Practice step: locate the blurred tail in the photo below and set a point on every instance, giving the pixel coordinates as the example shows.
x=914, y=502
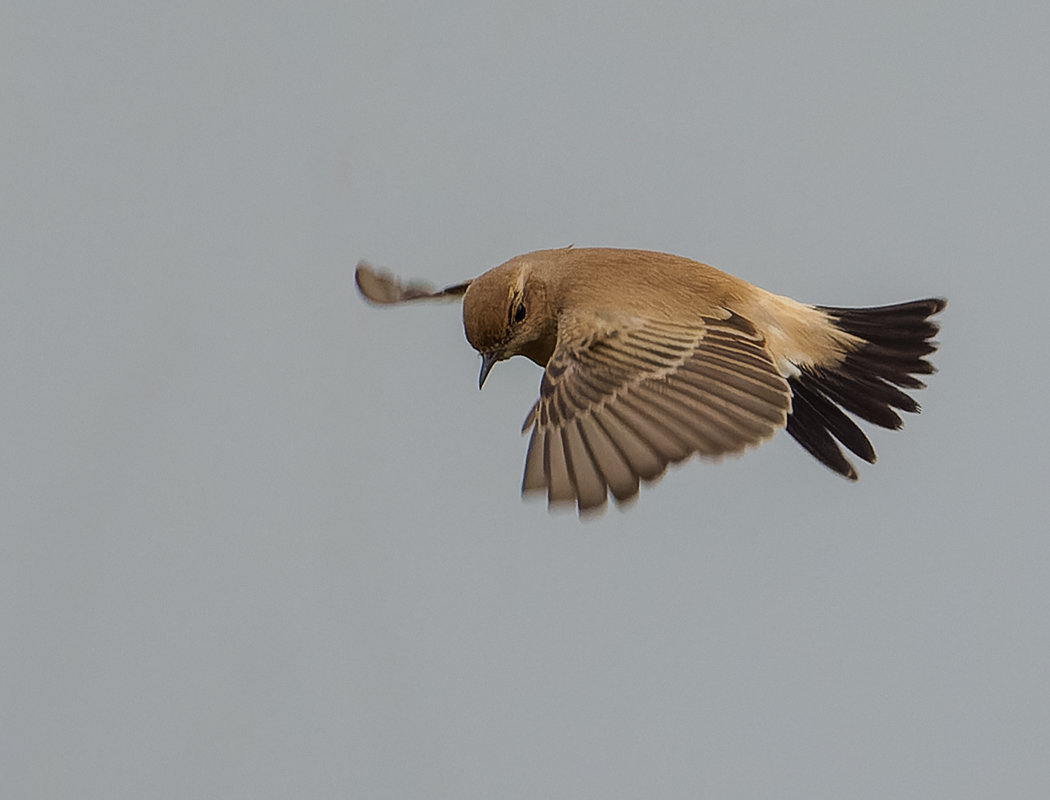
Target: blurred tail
x=896, y=342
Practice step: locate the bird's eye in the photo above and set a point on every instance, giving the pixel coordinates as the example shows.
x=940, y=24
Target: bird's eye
x=519, y=314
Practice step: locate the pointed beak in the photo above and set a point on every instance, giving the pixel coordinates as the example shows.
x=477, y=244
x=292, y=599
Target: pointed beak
x=488, y=360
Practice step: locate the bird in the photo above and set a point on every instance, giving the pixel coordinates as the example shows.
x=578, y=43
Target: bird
x=651, y=358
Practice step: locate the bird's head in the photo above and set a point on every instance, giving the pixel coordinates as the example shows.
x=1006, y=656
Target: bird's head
x=506, y=313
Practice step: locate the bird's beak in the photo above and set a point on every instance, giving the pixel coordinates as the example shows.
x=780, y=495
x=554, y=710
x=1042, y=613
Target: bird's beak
x=488, y=360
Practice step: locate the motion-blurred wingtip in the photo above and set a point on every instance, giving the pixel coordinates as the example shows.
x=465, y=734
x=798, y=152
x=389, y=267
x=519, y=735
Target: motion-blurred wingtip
x=378, y=286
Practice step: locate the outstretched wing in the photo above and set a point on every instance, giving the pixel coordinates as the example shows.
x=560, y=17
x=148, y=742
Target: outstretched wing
x=383, y=288
x=620, y=407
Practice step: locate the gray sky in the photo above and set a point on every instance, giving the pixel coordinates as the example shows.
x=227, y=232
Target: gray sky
x=262, y=540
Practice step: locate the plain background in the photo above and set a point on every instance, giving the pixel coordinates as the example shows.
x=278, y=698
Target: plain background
x=262, y=540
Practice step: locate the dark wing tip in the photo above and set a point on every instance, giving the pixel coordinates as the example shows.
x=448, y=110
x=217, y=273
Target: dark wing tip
x=379, y=287
x=384, y=288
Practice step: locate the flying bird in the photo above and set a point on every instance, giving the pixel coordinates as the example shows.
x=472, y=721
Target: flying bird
x=651, y=358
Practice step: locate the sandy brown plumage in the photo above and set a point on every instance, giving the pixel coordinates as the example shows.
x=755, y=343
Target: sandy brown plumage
x=652, y=358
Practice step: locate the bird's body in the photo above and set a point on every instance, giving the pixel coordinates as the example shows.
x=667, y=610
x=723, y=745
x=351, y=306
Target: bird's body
x=650, y=358
x=597, y=286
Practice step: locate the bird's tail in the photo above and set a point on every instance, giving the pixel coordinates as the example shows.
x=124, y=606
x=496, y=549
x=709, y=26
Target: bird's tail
x=896, y=341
